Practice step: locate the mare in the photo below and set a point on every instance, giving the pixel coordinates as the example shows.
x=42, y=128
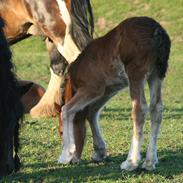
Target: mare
x=135, y=51
x=11, y=109
x=67, y=27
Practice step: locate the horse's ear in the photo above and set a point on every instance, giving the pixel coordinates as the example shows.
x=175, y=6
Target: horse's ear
x=23, y=89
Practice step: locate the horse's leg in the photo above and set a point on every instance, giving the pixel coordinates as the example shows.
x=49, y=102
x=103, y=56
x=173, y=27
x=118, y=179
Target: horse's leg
x=10, y=161
x=156, y=107
x=139, y=109
x=3, y=152
x=46, y=106
x=81, y=99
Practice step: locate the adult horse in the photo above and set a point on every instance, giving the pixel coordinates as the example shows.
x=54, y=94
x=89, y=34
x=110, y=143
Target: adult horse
x=11, y=109
x=67, y=26
x=134, y=52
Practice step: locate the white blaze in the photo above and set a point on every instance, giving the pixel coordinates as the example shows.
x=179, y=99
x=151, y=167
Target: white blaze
x=67, y=48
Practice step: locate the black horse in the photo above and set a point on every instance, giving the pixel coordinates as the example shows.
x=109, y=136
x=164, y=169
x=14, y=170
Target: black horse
x=11, y=109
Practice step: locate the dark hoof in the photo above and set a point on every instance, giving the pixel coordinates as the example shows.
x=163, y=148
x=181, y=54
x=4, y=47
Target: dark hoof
x=17, y=163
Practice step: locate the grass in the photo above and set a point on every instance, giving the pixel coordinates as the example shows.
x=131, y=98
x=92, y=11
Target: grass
x=40, y=140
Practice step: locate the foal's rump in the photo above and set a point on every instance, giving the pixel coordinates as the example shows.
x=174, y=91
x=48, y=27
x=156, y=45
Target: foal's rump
x=145, y=41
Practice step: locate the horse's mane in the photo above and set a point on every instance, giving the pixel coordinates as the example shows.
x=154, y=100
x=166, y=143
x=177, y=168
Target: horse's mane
x=82, y=22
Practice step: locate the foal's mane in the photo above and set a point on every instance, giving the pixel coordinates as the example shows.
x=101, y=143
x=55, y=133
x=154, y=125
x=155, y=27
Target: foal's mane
x=82, y=22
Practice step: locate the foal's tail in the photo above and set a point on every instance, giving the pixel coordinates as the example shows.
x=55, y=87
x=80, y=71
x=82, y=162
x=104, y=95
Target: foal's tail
x=162, y=46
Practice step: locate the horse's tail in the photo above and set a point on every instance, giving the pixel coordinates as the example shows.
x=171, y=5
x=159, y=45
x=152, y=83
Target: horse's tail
x=162, y=46
x=82, y=22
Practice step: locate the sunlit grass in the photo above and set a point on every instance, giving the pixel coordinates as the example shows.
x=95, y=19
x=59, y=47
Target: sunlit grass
x=40, y=140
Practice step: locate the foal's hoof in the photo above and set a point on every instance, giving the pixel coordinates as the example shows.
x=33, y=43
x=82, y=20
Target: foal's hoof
x=65, y=159
x=149, y=165
x=128, y=165
x=99, y=156
x=68, y=154
x=75, y=160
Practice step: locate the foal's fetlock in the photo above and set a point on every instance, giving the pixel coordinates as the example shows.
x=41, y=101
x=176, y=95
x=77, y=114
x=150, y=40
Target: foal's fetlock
x=99, y=155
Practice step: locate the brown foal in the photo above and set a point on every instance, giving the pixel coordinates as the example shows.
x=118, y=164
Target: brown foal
x=134, y=52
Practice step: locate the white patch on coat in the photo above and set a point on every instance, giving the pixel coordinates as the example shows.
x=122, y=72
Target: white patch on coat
x=67, y=47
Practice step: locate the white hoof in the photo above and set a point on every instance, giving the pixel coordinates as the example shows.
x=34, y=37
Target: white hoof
x=67, y=155
x=149, y=165
x=128, y=165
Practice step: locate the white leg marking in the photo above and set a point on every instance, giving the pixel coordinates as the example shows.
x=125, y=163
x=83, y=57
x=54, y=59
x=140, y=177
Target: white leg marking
x=69, y=147
x=156, y=109
x=133, y=156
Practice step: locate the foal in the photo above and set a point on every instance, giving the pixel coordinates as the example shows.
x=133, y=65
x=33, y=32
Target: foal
x=11, y=109
x=134, y=52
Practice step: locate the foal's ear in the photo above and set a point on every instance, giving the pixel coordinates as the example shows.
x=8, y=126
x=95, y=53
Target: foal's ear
x=23, y=89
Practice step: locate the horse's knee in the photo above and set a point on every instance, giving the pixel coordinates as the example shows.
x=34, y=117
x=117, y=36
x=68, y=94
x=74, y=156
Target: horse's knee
x=58, y=62
x=58, y=67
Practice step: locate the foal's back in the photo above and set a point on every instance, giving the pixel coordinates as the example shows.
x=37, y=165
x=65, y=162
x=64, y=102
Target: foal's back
x=135, y=42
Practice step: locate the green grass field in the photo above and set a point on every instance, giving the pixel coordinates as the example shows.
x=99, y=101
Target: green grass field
x=39, y=138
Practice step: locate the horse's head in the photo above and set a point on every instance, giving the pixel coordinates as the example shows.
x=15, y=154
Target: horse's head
x=66, y=23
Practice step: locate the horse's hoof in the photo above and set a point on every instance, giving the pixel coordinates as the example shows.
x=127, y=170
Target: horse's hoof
x=17, y=163
x=128, y=165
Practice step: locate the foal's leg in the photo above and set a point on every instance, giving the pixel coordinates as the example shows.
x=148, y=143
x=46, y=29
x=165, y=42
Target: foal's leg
x=139, y=109
x=93, y=118
x=155, y=85
x=81, y=99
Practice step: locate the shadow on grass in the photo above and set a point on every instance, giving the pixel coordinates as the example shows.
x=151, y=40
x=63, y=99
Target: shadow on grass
x=125, y=113
x=171, y=164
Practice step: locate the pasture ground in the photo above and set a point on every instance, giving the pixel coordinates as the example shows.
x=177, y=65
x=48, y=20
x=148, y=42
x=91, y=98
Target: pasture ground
x=39, y=138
